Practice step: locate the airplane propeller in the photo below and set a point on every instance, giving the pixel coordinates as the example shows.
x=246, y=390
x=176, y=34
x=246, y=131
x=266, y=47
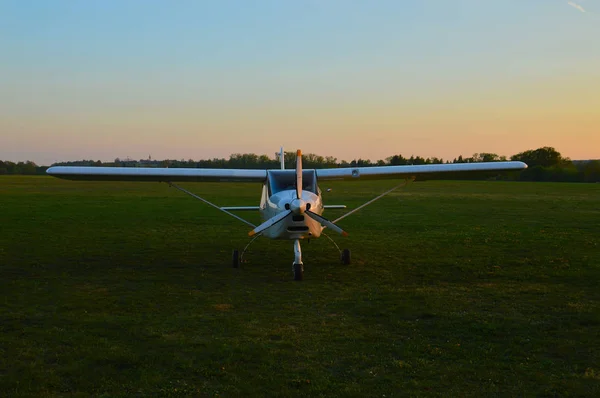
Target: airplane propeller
x=326, y=223
x=270, y=222
x=299, y=174
x=298, y=206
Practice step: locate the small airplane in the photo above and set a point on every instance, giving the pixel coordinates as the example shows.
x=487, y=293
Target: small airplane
x=291, y=204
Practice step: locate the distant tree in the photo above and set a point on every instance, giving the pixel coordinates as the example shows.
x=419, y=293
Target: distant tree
x=397, y=160
x=27, y=167
x=545, y=157
x=591, y=171
x=486, y=157
x=310, y=160
x=264, y=161
x=289, y=159
x=330, y=162
x=416, y=160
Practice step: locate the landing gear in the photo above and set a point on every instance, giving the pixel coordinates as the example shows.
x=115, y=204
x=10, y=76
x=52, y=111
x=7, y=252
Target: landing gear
x=235, y=259
x=298, y=267
x=258, y=235
x=345, y=256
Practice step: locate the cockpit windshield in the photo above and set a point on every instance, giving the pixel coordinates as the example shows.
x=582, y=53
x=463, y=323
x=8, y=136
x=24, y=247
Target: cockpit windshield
x=281, y=180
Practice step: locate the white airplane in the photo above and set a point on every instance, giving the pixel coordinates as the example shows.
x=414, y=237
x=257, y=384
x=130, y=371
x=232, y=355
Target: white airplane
x=291, y=204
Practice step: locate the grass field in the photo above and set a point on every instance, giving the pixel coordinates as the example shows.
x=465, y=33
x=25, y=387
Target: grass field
x=456, y=288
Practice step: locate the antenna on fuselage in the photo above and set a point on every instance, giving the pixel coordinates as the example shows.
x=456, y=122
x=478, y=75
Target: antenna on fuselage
x=282, y=158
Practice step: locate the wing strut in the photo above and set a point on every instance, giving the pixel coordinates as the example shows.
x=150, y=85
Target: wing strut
x=210, y=204
x=405, y=183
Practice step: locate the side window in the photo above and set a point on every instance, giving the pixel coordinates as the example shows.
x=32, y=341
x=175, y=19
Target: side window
x=280, y=181
x=308, y=181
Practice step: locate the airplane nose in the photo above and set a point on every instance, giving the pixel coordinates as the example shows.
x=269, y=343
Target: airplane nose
x=298, y=206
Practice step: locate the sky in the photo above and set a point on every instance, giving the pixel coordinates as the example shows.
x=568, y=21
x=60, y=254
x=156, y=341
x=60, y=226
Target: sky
x=351, y=79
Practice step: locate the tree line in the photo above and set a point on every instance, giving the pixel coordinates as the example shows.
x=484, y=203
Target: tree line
x=545, y=164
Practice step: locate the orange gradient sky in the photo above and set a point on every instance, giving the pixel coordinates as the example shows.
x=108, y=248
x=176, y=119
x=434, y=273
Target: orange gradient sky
x=346, y=79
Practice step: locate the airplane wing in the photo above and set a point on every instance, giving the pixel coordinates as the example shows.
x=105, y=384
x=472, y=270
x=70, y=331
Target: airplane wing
x=254, y=175
x=156, y=174
x=380, y=172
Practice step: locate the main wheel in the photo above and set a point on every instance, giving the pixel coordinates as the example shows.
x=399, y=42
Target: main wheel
x=345, y=256
x=235, y=259
x=298, y=272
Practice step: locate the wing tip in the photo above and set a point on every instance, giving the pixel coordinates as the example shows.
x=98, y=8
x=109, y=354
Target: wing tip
x=251, y=233
x=298, y=152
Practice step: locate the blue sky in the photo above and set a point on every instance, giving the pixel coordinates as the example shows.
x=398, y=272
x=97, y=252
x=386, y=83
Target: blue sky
x=199, y=79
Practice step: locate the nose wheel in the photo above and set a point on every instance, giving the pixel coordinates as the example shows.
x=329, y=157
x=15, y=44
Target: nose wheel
x=298, y=267
x=298, y=272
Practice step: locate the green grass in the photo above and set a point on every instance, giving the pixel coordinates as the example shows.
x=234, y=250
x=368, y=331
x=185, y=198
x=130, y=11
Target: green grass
x=456, y=288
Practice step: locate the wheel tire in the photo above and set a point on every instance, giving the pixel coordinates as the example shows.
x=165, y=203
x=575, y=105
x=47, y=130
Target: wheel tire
x=298, y=272
x=235, y=259
x=345, y=256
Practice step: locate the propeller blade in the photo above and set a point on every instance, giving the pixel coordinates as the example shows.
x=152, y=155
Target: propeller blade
x=325, y=222
x=270, y=222
x=299, y=174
